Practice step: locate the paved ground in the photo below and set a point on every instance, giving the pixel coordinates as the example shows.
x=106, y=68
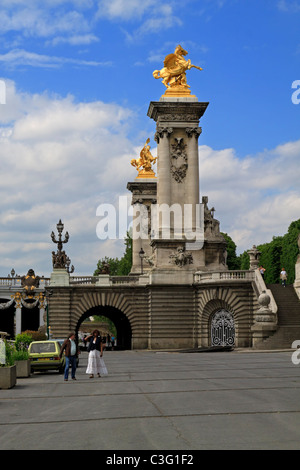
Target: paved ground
x=159, y=401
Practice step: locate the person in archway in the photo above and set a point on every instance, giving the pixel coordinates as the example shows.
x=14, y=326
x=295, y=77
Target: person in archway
x=96, y=363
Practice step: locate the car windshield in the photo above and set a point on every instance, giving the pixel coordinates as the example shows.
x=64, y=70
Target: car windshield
x=39, y=348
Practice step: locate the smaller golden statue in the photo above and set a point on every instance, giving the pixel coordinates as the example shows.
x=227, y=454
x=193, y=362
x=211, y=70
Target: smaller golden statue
x=174, y=73
x=145, y=162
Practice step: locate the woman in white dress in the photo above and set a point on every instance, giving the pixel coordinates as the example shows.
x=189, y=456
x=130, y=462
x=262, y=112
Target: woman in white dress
x=96, y=363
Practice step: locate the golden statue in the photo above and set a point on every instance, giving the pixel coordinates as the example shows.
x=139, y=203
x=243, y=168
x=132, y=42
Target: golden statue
x=145, y=162
x=174, y=73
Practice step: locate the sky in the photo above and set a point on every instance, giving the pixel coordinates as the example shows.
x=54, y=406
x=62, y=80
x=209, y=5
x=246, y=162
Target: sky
x=75, y=86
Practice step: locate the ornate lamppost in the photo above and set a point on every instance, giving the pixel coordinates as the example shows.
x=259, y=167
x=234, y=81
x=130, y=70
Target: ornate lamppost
x=60, y=260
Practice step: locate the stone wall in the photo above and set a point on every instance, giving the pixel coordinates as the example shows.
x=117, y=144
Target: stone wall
x=159, y=317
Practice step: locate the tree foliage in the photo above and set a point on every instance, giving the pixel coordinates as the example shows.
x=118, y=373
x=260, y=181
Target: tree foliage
x=280, y=253
x=118, y=267
x=233, y=261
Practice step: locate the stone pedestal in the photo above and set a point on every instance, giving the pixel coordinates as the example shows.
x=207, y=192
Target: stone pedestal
x=254, y=255
x=103, y=280
x=265, y=321
x=59, y=277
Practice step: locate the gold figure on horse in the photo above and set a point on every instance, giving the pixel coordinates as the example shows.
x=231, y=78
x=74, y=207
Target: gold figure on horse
x=173, y=73
x=145, y=162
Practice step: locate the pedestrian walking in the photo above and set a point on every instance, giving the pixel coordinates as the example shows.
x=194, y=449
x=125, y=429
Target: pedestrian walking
x=70, y=348
x=262, y=271
x=96, y=364
x=283, y=277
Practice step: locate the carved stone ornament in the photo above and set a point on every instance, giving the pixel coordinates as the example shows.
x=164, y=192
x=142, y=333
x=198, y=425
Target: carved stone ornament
x=181, y=257
x=161, y=131
x=179, y=159
x=193, y=131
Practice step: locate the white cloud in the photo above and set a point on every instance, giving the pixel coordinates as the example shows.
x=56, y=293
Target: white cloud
x=58, y=159
x=17, y=57
x=153, y=15
x=126, y=9
x=83, y=39
x=256, y=197
x=42, y=22
x=289, y=6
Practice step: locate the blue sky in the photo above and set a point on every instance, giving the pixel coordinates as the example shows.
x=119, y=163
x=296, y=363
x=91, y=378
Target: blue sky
x=78, y=78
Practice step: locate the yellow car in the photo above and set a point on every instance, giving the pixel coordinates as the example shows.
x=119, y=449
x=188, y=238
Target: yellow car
x=44, y=355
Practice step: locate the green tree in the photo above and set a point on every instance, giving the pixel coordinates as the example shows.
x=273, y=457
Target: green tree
x=280, y=253
x=244, y=261
x=290, y=250
x=103, y=319
x=270, y=259
x=118, y=267
x=126, y=261
x=233, y=261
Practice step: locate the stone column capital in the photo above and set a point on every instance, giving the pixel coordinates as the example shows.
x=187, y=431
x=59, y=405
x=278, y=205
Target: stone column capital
x=161, y=131
x=193, y=131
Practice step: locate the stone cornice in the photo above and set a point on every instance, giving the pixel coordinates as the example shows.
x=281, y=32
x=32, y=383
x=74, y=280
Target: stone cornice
x=170, y=111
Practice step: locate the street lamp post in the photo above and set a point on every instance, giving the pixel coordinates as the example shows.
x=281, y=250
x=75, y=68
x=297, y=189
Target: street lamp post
x=141, y=254
x=48, y=293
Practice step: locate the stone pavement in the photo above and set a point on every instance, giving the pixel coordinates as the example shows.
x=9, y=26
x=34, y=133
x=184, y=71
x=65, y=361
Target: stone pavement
x=159, y=401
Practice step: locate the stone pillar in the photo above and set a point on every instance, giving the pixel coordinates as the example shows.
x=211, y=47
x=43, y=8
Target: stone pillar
x=177, y=132
x=18, y=320
x=265, y=321
x=193, y=195
x=143, y=197
x=42, y=316
x=162, y=137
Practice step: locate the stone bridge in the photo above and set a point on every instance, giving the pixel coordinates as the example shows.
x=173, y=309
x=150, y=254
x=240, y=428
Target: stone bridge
x=157, y=316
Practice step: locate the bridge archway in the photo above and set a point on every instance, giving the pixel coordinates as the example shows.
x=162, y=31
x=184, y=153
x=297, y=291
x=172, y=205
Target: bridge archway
x=121, y=322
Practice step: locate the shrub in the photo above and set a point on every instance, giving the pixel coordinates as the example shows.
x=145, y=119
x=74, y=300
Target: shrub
x=9, y=359
x=20, y=355
x=23, y=341
x=35, y=335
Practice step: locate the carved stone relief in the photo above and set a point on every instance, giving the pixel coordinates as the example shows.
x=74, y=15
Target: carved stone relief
x=179, y=159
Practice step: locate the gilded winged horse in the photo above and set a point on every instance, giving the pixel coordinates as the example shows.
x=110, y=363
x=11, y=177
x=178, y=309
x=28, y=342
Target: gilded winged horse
x=173, y=73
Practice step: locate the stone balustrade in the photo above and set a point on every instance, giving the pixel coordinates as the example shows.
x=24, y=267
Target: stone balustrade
x=215, y=276
x=6, y=282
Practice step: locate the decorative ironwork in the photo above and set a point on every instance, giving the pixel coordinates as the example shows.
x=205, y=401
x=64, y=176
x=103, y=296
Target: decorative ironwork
x=222, y=328
x=60, y=260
